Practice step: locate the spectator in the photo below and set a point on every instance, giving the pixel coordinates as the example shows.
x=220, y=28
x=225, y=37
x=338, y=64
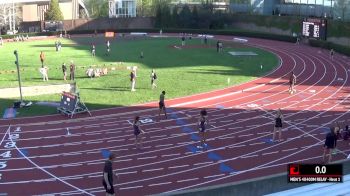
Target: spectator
x=42, y=58
x=72, y=71
x=64, y=70
x=90, y=72
x=153, y=79
x=44, y=73
x=133, y=80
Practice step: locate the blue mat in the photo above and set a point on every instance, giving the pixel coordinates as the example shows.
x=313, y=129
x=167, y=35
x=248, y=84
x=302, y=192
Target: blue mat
x=9, y=113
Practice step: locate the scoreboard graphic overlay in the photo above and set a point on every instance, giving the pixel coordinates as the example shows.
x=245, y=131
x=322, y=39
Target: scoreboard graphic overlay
x=315, y=173
x=315, y=28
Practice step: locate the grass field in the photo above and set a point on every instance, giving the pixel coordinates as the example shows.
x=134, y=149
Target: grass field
x=180, y=71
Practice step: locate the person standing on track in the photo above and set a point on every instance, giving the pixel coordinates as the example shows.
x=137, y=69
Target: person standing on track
x=202, y=123
x=292, y=81
x=153, y=79
x=331, y=54
x=107, y=180
x=278, y=126
x=138, y=132
x=329, y=145
x=162, y=104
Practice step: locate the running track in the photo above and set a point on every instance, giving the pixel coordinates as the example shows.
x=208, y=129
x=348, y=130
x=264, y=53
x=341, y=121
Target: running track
x=37, y=156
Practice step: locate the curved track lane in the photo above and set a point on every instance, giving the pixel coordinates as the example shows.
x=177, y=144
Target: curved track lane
x=37, y=156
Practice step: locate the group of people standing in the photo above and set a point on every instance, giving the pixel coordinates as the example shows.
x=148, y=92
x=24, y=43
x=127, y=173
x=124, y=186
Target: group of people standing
x=133, y=79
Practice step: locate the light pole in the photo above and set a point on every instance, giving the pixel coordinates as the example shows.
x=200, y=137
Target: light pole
x=19, y=76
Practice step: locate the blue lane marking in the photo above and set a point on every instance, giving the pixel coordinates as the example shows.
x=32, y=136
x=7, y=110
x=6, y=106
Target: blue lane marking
x=195, y=137
x=193, y=149
x=326, y=129
x=220, y=107
x=105, y=153
x=187, y=130
x=173, y=116
x=225, y=168
x=24, y=152
x=267, y=140
x=169, y=110
x=213, y=156
x=180, y=122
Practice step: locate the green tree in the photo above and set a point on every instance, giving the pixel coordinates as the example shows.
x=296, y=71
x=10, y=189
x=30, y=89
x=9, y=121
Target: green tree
x=54, y=13
x=175, y=16
x=185, y=17
x=97, y=8
x=195, y=17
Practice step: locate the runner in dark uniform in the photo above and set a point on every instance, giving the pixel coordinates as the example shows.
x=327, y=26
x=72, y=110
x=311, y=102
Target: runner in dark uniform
x=162, y=104
x=107, y=180
x=329, y=145
x=138, y=132
x=292, y=81
x=278, y=126
x=202, y=122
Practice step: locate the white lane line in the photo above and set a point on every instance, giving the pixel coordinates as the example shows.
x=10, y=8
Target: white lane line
x=95, y=176
x=131, y=187
x=94, y=142
x=151, y=170
x=225, y=121
x=163, y=145
x=158, y=136
x=71, y=165
x=235, y=127
x=179, y=166
x=186, y=180
x=249, y=156
x=245, y=135
x=71, y=153
x=124, y=173
x=238, y=146
x=171, y=155
x=50, y=155
x=72, y=144
x=94, y=163
x=257, y=143
x=159, y=184
x=184, y=143
x=267, y=153
x=263, y=133
x=213, y=176
x=52, y=175
x=227, y=137
x=291, y=149
x=143, y=158
x=118, y=140
x=124, y=160
x=203, y=163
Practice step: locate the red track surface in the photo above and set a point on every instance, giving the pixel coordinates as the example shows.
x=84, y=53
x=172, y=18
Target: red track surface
x=240, y=124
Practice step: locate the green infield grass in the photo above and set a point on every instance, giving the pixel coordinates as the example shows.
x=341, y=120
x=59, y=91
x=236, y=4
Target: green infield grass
x=181, y=71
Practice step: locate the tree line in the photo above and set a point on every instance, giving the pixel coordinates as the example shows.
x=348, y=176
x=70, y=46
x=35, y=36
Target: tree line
x=201, y=16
